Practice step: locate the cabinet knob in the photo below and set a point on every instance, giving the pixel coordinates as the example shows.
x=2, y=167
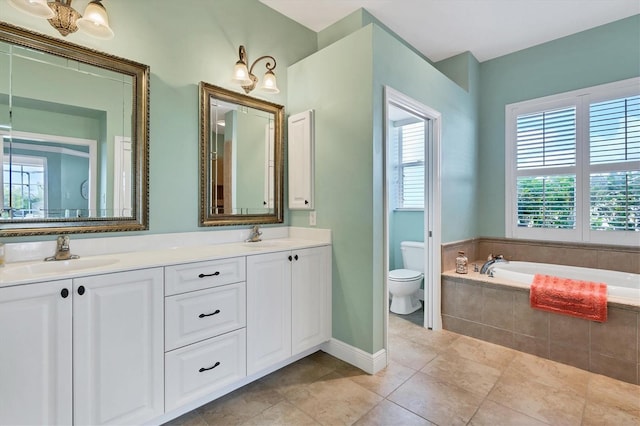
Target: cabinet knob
x=290, y=258
x=306, y=201
x=81, y=290
x=210, y=368
x=264, y=203
x=295, y=257
x=64, y=293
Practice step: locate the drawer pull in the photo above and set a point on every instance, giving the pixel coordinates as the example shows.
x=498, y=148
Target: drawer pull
x=210, y=368
x=216, y=273
x=217, y=311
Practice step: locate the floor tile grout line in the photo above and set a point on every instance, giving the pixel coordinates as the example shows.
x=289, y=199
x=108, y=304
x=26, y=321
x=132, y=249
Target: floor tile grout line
x=513, y=360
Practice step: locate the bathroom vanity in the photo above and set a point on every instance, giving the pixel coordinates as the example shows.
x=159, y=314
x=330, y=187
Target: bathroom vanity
x=143, y=337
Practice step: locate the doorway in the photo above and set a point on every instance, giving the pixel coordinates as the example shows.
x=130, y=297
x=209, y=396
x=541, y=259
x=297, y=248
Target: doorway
x=412, y=195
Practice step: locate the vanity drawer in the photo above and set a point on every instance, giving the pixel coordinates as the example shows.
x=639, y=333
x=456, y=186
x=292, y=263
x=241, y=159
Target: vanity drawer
x=202, y=368
x=201, y=314
x=197, y=276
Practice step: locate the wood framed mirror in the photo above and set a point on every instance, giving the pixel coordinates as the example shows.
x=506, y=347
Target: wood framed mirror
x=241, y=158
x=74, y=131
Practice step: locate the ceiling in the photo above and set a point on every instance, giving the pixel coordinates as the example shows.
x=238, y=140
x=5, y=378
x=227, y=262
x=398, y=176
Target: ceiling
x=440, y=29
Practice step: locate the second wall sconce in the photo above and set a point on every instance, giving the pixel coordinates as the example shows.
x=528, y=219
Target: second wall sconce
x=66, y=19
x=244, y=76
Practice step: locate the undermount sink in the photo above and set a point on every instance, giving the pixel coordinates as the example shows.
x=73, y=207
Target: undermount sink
x=60, y=266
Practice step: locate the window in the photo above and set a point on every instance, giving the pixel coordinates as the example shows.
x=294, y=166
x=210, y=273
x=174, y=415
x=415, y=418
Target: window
x=573, y=166
x=408, y=138
x=23, y=187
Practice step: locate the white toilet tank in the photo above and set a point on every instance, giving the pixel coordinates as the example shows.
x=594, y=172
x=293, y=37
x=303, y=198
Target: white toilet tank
x=412, y=255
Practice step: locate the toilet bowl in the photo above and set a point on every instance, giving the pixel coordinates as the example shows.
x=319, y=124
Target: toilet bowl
x=403, y=284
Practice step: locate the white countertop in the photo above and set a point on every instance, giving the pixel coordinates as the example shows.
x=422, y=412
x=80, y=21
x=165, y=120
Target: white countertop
x=27, y=272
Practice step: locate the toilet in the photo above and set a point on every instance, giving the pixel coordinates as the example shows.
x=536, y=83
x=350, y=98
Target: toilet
x=404, y=283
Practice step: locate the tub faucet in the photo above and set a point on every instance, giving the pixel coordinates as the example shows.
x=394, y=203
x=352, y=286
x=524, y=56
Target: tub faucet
x=63, y=252
x=486, y=267
x=254, y=235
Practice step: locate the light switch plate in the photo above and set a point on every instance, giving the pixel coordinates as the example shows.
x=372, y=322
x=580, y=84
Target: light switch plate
x=312, y=218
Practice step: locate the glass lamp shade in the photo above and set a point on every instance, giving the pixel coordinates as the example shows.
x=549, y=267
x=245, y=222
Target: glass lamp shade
x=95, y=21
x=37, y=8
x=269, y=83
x=241, y=74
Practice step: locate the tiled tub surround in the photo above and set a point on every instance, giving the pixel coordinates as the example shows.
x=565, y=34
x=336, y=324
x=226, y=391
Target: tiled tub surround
x=498, y=311
x=615, y=258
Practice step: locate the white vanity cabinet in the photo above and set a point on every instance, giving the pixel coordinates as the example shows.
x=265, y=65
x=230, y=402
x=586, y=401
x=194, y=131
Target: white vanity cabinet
x=35, y=354
x=144, y=345
x=268, y=310
x=310, y=298
x=88, y=349
x=288, y=304
x=205, y=318
x=117, y=348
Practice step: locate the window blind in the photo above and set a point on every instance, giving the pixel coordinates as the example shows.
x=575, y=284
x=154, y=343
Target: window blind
x=411, y=194
x=546, y=139
x=614, y=130
x=615, y=201
x=573, y=166
x=546, y=202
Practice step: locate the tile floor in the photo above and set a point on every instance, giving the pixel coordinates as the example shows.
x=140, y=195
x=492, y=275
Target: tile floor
x=433, y=378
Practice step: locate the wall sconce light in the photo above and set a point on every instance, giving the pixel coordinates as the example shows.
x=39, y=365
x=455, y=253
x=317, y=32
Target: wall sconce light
x=244, y=76
x=66, y=19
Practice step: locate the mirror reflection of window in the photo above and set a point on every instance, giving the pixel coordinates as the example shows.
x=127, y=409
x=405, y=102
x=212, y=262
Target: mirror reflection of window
x=24, y=187
x=66, y=183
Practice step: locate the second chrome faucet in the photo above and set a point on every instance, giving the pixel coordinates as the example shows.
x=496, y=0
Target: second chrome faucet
x=254, y=234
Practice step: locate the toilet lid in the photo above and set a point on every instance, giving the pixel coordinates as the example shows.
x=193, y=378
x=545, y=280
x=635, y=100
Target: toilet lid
x=404, y=274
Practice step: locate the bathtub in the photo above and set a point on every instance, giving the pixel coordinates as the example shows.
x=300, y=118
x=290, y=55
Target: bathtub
x=621, y=286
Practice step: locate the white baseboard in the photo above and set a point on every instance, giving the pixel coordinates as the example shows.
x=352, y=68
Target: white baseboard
x=370, y=363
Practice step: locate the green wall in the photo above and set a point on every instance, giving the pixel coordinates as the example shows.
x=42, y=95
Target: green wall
x=349, y=146
x=342, y=99
x=184, y=43
x=597, y=56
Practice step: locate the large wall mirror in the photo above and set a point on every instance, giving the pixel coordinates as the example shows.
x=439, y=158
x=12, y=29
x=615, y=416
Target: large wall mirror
x=241, y=151
x=73, y=137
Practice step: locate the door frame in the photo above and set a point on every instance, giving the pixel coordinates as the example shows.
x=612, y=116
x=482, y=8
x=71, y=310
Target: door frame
x=432, y=210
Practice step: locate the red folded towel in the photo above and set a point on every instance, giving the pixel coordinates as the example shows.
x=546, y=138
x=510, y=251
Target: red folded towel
x=582, y=299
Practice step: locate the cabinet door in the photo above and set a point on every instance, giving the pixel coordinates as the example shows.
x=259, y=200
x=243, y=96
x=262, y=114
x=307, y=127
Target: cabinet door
x=118, y=348
x=301, y=163
x=311, y=297
x=268, y=310
x=35, y=354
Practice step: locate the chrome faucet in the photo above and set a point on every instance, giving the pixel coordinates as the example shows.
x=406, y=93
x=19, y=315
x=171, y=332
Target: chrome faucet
x=254, y=235
x=63, y=252
x=487, y=266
